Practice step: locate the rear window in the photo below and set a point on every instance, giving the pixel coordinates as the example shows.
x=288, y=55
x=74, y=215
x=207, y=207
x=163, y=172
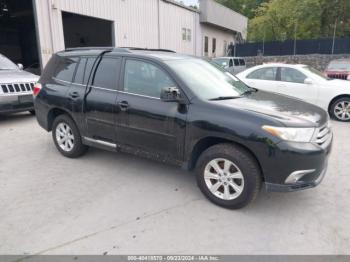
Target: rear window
x=65, y=68
x=242, y=62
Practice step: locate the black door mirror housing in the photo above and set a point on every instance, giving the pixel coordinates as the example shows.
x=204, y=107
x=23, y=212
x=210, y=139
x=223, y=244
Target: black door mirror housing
x=170, y=94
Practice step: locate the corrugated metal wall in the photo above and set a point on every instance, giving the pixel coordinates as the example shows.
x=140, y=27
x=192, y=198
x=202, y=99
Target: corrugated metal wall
x=141, y=23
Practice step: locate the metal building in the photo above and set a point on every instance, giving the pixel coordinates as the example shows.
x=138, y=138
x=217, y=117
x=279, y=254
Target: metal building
x=32, y=30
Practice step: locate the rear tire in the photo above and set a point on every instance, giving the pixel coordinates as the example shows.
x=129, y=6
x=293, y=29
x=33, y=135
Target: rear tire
x=340, y=109
x=228, y=176
x=66, y=137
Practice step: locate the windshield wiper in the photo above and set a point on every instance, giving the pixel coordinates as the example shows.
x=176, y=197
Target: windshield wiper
x=224, y=98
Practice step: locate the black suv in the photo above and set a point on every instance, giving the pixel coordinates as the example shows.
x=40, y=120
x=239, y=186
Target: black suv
x=185, y=111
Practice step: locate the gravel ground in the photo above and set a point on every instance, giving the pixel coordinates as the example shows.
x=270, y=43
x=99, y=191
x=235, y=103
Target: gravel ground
x=109, y=203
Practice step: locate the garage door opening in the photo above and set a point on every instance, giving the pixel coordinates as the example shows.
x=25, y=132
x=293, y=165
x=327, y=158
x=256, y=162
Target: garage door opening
x=18, y=39
x=81, y=31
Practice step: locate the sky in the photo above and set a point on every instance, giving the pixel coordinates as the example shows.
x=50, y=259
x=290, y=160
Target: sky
x=189, y=2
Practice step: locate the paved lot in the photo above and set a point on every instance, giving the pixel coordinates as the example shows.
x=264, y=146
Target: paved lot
x=118, y=204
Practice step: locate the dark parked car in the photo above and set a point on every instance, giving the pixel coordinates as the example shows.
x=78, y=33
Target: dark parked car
x=183, y=110
x=15, y=87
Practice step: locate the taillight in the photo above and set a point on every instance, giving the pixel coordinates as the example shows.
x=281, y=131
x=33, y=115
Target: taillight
x=36, y=89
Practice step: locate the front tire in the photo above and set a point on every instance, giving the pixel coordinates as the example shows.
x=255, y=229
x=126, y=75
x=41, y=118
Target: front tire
x=66, y=137
x=340, y=109
x=228, y=176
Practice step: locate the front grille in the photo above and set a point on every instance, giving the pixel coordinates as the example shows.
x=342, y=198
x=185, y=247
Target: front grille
x=338, y=76
x=323, y=135
x=17, y=88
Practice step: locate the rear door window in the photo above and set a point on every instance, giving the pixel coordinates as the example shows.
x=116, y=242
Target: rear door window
x=242, y=62
x=107, y=73
x=236, y=62
x=65, y=68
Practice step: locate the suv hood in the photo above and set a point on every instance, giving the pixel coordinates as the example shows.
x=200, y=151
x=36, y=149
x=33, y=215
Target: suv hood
x=287, y=110
x=16, y=76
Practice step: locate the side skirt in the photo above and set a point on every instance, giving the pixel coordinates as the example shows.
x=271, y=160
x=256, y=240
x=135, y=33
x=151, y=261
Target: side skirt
x=132, y=151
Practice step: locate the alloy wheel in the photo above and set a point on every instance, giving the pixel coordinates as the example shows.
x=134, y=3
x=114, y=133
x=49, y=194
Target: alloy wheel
x=224, y=179
x=64, y=137
x=342, y=110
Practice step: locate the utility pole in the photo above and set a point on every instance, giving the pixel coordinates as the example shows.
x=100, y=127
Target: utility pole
x=295, y=37
x=334, y=33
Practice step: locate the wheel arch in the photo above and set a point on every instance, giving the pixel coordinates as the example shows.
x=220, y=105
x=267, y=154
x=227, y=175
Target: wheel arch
x=335, y=99
x=53, y=113
x=207, y=142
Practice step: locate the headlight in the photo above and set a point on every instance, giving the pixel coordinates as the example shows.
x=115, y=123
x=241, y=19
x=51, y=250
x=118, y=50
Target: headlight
x=291, y=134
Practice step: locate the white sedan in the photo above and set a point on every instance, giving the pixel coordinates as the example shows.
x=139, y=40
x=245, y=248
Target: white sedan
x=303, y=82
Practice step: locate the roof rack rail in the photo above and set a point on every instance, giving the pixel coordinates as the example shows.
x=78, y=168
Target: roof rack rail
x=149, y=49
x=106, y=48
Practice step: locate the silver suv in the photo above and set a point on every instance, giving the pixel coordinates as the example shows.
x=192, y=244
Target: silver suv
x=232, y=64
x=16, y=87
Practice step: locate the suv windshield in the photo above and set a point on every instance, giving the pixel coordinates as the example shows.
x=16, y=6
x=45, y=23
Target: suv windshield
x=208, y=81
x=6, y=64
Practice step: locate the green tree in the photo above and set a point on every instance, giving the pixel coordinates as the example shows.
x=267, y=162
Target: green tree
x=282, y=19
x=335, y=12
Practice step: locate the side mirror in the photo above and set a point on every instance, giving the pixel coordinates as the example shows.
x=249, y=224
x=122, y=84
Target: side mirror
x=20, y=66
x=308, y=81
x=170, y=94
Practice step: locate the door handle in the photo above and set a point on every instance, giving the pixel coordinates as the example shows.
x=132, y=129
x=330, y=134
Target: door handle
x=74, y=94
x=124, y=105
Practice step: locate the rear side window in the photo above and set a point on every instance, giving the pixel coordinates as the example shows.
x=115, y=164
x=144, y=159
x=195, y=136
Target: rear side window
x=79, y=75
x=231, y=63
x=264, y=74
x=107, y=73
x=84, y=70
x=65, y=68
x=242, y=62
x=236, y=62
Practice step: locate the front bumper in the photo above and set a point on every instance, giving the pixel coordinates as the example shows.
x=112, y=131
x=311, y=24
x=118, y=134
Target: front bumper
x=300, y=185
x=16, y=103
x=305, y=163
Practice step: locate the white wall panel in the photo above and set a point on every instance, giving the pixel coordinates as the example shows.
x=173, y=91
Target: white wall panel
x=137, y=23
x=172, y=20
x=220, y=36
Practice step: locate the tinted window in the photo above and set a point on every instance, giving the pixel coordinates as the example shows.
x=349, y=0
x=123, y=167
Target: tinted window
x=145, y=79
x=236, y=62
x=231, y=63
x=88, y=68
x=292, y=75
x=79, y=75
x=65, y=68
x=264, y=74
x=107, y=73
x=242, y=62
